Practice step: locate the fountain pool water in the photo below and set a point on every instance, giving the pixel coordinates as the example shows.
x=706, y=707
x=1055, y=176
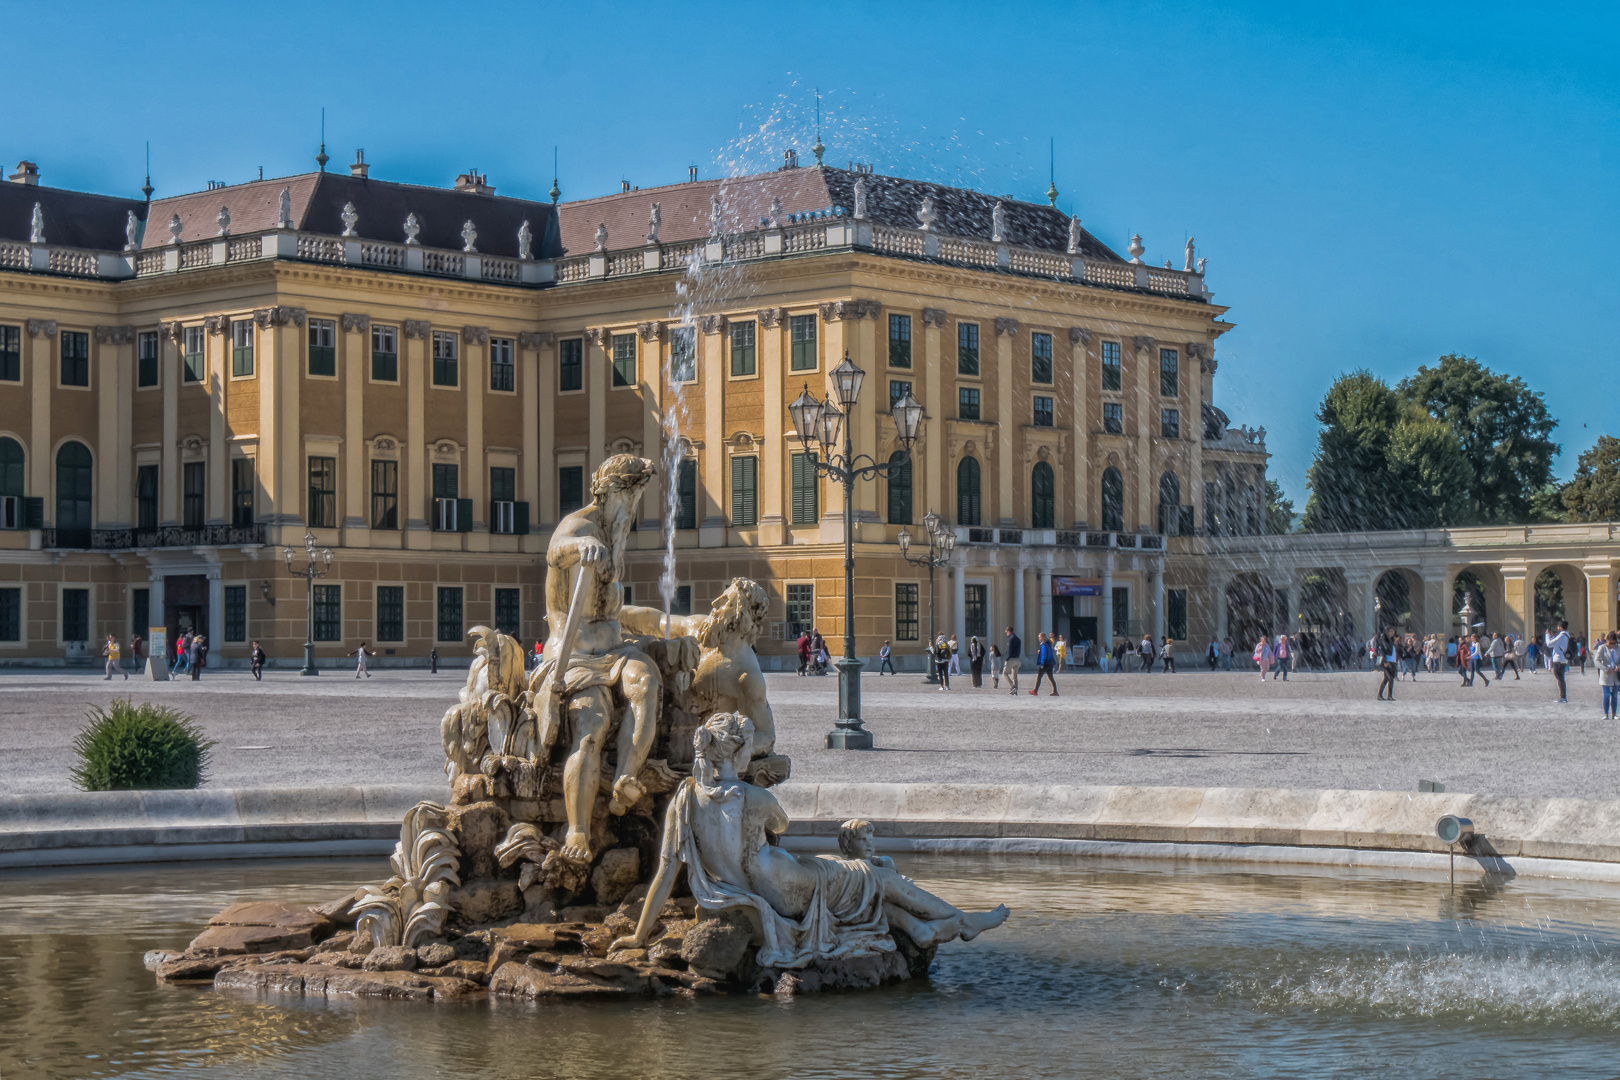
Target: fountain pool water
x=1105, y=969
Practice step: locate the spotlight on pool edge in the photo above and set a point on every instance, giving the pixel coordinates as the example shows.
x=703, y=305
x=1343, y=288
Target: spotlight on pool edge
x=1454, y=830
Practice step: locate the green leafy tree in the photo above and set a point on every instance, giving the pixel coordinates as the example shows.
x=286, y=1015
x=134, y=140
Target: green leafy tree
x=1594, y=493
x=1502, y=426
x=1279, y=510
x=1428, y=477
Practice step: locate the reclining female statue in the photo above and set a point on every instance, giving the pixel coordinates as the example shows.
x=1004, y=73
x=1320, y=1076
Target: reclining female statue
x=809, y=907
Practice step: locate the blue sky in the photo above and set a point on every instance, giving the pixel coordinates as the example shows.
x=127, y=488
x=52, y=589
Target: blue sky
x=1374, y=185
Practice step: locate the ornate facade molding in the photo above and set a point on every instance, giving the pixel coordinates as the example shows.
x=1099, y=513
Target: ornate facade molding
x=115, y=335
x=650, y=331
x=1206, y=365
x=446, y=450
x=1142, y=343
x=770, y=318
x=215, y=324
x=933, y=316
x=42, y=328
x=1008, y=327
x=833, y=311
x=1079, y=335
x=193, y=444
x=417, y=329
x=385, y=444
x=597, y=335
x=355, y=323
x=536, y=339
x=279, y=316
x=866, y=309
x=623, y=445
x=475, y=335
x=174, y=330
x=711, y=324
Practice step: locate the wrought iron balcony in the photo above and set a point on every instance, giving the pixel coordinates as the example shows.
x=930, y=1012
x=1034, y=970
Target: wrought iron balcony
x=167, y=536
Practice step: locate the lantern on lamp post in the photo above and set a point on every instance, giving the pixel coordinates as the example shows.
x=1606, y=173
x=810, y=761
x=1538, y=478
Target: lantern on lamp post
x=941, y=541
x=318, y=564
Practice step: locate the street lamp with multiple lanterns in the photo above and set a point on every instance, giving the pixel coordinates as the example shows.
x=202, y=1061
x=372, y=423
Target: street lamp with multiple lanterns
x=822, y=423
x=320, y=562
x=941, y=541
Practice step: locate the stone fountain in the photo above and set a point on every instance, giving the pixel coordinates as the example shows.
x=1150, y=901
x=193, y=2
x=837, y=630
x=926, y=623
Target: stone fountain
x=610, y=829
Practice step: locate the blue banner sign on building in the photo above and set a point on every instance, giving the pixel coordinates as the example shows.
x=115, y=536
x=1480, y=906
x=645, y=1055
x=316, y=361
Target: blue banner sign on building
x=1076, y=586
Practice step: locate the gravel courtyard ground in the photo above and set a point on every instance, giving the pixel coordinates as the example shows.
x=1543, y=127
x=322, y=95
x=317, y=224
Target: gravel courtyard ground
x=1187, y=729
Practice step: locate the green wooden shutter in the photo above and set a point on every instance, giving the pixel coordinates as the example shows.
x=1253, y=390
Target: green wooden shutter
x=520, y=518
x=744, y=492
x=464, y=515
x=805, y=508
x=34, y=512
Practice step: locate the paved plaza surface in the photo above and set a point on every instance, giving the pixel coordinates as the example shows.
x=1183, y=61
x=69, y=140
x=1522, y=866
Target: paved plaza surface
x=1195, y=729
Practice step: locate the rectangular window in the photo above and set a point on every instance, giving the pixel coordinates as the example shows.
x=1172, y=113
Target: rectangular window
x=898, y=389
x=967, y=402
x=328, y=613
x=385, y=494
x=1043, y=411
x=390, y=613
x=1113, y=418
x=801, y=609
x=1040, y=358
x=1110, y=365
x=242, y=491
x=241, y=348
x=1175, y=606
x=11, y=355
x=509, y=611
x=146, y=358
x=686, y=494
x=502, y=375
x=571, y=365
x=806, y=502
x=976, y=609
x=194, y=476
x=744, y=492
x=1170, y=423
x=75, y=614
x=192, y=368
x=743, y=361
x=322, y=493
x=900, y=341
x=11, y=615
x=682, y=603
x=141, y=616
x=905, y=611
x=1122, y=610
x=1169, y=373
x=446, y=359
x=448, y=615
x=502, y=507
x=967, y=348
x=446, y=493
x=322, y=347
x=570, y=488
x=385, y=354
x=683, y=354
x=624, y=359
x=146, y=497
x=236, y=613
x=802, y=335
x=75, y=345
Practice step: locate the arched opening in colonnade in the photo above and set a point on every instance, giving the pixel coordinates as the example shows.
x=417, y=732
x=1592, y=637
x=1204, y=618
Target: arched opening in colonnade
x=1561, y=596
x=1398, y=601
x=1326, y=627
x=1252, y=609
x=1468, y=593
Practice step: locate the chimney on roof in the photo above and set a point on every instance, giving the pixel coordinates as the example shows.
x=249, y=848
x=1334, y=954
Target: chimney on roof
x=691, y=174
x=27, y=173
x=624, y=185
x=474, y=181
x=790, y=159
x=359, y=167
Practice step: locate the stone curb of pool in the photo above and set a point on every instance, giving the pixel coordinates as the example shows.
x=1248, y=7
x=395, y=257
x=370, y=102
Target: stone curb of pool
x=145, y=826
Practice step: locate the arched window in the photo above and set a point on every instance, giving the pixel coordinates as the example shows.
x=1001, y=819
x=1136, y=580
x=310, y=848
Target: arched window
x=1169, y=502
x=73, y=490
x=1043, y=497
x=899, y=488
x=686, y=494
x=967, y=492
x=11, y=467
x=1113, y=500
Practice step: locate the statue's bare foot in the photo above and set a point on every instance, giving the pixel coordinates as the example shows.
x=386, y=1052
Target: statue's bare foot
x=975, y=923
x=627, y=791
x=577, y=848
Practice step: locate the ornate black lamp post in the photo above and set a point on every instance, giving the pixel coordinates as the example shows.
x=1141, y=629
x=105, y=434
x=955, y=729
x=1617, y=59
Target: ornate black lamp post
x=823, y=421
x=320, y=562
x=941, y=541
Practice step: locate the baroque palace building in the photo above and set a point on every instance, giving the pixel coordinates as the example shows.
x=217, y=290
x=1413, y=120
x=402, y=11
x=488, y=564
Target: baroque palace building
x=423, y=379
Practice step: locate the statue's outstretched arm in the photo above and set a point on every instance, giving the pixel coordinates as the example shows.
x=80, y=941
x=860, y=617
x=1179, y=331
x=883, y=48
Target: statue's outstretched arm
x=652, y=907
x=650, y=621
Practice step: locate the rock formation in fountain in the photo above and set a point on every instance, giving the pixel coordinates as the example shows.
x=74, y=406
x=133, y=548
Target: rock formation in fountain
x=642, y=746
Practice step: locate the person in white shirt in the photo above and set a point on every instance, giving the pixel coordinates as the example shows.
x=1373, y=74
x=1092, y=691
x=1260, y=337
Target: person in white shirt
x=360, y=655
x=1607, y=656
x=1558, y=655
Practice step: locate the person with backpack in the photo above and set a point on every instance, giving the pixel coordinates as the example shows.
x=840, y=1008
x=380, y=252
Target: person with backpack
x=976, y=654
x=1015, y=655
x=1045, y=658
x=1281, y=655
x=256, y=660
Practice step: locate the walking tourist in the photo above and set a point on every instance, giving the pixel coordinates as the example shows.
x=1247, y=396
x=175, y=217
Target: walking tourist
x=137, y=648
x=804, y=651
x=1607, y=658
x=256, y=661
x=1120, y=649
x=1226, y=654
x=433, y=661
x=1558, y=657
x=1045, y=657
x=1061, y=647
x=198, y=656
x=1015, y=655
x=956, y=657
x=177, y=666
x=539, y=652
x=942, y=662
x=111, y=651
x=1580, y=652
x=886, y=658
x=1145, y=653
x=996, y=663
x=1498, y=654
x=976, y=661
x=1477, y=651
x=360, y=655
x=1213, y=654
x=1386, y=665
x=1263, y=655
x=1512, y=656
x=1282, y=655
x=1167, y=655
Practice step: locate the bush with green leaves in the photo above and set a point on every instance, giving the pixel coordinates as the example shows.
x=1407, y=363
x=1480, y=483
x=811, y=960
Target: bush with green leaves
x=139, y=747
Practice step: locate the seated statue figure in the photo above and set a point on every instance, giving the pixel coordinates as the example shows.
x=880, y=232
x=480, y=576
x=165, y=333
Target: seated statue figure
x=601, y=665
x=810, y=907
